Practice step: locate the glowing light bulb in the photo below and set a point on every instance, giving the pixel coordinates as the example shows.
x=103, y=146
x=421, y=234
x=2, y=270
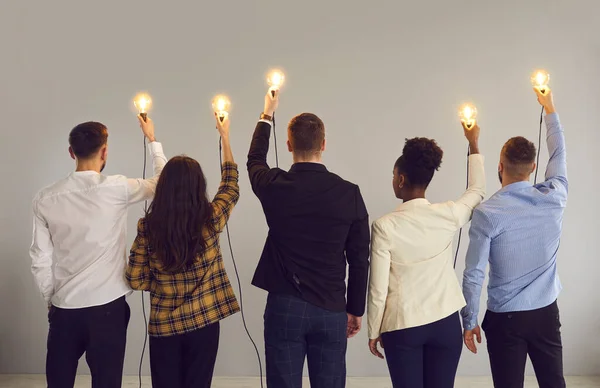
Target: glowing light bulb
x=221, y=105
x=275, y=79
x=468, y=115
x=143, y=104
x=540, y=80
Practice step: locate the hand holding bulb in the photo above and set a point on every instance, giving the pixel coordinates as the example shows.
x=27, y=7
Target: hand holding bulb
x=546, y=100
x=143, y=103
x=540, y=80
x=271, y=102
x=275, y=79
x=468, y=119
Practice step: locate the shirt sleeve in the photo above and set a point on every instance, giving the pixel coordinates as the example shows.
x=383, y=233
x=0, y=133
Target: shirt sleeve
x=357, y=255
x=556, y=171
x=41, y=252
x=258, y=169
x=227, y=196
x=381, y=260
x=143, y=189
x=463, y=207
x=138, y=272
x=477, y=258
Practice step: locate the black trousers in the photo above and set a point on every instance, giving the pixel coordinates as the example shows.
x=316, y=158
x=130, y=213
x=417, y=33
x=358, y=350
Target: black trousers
x=296, y=330
x=512, y=336
x=100, y=332
x=425, y=356
x=185, y=360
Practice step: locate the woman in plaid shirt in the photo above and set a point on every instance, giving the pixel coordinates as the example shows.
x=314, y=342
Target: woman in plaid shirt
x=177, y=258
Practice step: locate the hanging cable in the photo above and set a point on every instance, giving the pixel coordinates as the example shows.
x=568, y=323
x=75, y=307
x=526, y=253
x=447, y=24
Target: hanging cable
x=143, y=302
x=275, y=140
x=537, y=162
x=237, y=275
x=461, y=229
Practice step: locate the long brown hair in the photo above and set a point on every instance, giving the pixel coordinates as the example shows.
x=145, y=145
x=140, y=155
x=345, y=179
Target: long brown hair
x=178, y=214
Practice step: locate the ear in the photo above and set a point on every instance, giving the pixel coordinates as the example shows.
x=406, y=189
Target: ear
x=72, y=153
x=104, y=152
x=500, y=167
x=401, y=180
x=289, y=146
x=533, y=168
x=324, y=145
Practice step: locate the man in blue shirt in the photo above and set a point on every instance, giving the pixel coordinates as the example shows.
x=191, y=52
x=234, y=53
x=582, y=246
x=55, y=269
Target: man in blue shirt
x=518, y=232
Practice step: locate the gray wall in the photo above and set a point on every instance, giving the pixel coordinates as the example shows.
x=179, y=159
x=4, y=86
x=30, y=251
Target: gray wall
x=376, y=72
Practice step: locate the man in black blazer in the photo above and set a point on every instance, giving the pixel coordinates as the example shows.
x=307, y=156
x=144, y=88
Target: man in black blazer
x=317, y=222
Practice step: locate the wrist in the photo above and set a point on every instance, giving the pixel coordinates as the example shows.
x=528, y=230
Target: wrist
x=474, y=147
x=151, y=139
x=269, y=112
x=550, y=109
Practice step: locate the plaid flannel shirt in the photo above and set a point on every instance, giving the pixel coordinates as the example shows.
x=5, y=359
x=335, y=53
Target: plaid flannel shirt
x=199, y=295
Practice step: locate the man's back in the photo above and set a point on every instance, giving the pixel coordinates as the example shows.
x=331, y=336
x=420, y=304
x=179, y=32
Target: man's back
x=310, y=213
x=317, y=222
x=86, y=215
x=526, y=222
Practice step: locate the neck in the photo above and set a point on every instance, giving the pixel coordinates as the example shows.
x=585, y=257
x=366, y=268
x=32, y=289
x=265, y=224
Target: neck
x=510, y=180
x=411, y=194
x=315, y=158
x=88, y=165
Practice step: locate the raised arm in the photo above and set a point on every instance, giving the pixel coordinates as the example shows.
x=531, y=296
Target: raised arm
x=229, y=190
x=138, y=273
x=143, y=189
x=357, y=255
x=463, y=207
x=477, y=259
x=556, y=171
x=258, y=169
x=41, y=252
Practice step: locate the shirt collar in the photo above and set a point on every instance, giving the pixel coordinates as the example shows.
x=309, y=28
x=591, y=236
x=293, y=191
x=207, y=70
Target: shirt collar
x=87, y=172
x=515, y=186
x=306, y=166
x=413, y=203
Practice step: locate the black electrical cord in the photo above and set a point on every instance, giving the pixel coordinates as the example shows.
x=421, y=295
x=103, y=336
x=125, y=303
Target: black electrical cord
x=275, y=140
x=461, y=229
x=537, y=162
x=237, y=275
x=143, y=304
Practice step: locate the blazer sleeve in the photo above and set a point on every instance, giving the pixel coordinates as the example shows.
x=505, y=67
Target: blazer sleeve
x=357, y=255
x=462, y=209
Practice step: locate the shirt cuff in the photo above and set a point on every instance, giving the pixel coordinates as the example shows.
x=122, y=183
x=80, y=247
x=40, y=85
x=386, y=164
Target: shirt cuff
x=155, y=147
x=266, y=121
x=476, y=157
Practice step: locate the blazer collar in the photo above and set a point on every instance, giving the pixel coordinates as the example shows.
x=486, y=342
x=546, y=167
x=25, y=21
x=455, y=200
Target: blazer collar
x=318, y=167
x=413, y=204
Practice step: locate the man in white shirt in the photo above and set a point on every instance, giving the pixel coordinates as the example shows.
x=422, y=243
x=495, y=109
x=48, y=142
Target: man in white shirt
x=79, y=258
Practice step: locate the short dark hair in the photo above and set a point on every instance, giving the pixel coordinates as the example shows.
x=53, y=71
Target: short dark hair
x=421, y=157
x=87, y=138
x=307, y=133
x=519, y=154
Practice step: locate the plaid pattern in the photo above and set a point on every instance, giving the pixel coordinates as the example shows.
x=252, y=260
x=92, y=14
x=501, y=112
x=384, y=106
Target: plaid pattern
x=296, y=330
x=200, y=295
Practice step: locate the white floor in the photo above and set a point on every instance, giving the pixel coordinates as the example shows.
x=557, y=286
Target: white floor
x=37, y=381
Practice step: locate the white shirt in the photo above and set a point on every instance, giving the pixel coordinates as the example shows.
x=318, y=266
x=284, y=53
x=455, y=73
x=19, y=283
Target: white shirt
x=79, y=234
x=413, y=282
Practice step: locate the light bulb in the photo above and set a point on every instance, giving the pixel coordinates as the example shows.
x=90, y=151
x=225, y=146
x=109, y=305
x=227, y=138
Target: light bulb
x=540, y=80
x=143, y=104
x=275, y=79
x=468, y=115
x=221, y=106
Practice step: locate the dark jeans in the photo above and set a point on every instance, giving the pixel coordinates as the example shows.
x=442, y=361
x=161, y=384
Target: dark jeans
x=100, y=332
x=512, y=336
x=185, y=360
x=425, y=356
x=295, y=330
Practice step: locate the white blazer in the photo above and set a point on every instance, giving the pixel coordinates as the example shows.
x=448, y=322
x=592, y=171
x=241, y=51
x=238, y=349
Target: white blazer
x=413, y=282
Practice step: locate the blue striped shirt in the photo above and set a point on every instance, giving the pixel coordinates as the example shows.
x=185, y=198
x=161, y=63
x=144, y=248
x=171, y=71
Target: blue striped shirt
x=518, y=232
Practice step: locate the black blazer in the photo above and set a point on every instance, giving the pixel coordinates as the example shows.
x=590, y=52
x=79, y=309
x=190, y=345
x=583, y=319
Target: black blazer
x=317, y=222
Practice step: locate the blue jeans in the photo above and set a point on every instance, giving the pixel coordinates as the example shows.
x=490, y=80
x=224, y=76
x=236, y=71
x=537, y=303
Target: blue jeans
x=425, y=356
x=296, y=330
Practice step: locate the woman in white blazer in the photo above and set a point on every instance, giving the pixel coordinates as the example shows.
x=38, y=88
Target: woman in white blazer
x=414, y=294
